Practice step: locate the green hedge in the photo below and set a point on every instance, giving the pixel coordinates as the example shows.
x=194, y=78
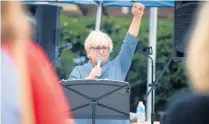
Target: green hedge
x=75, y=30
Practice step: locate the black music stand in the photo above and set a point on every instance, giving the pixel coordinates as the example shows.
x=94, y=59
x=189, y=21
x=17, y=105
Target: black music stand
x=101, y=99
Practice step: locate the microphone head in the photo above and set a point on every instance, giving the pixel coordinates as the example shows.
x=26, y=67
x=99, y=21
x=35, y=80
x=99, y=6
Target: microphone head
x=99, y=58
x=69, y=45
x=66, y=46
x=99, y=61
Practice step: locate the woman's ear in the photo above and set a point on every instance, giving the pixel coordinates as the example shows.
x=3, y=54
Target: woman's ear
x=88, y=54
x=111, y=51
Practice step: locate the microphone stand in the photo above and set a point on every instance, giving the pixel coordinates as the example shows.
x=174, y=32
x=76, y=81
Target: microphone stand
x=154, y=85
x=59, y=50
x=146, y=51
x=55, y=59
x=58, y=55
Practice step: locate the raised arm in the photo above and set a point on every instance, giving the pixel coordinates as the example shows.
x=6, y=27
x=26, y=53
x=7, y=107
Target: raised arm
x=138, y=12
x=130, y=42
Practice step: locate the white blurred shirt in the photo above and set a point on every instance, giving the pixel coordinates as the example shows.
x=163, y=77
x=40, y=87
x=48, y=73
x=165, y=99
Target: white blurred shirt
x=10, y=99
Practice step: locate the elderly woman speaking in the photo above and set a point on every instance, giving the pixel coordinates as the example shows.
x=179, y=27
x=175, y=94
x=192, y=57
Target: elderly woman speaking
x=98, y=46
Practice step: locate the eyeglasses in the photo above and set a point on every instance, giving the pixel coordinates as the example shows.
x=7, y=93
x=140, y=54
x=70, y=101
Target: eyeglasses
x=98, y=49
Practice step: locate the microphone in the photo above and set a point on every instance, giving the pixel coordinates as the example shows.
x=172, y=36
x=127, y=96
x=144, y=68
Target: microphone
x=99, y=61
x=66, y=46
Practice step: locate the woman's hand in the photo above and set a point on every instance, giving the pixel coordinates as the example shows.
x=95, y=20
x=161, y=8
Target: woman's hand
x=135, y=24
x=95, y=72
x=138, y=9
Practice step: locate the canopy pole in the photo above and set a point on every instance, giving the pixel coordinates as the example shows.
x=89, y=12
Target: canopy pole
x=98, y=16
x=152, y=43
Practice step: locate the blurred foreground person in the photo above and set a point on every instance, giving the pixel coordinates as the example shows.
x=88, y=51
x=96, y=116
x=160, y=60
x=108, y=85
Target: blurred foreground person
x=195, y=109
x=37, y=90
x=17, y=104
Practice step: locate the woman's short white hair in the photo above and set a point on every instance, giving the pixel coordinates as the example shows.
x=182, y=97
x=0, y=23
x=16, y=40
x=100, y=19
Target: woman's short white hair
x=98, y=38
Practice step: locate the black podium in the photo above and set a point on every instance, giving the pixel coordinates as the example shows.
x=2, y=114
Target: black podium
x=98, y=99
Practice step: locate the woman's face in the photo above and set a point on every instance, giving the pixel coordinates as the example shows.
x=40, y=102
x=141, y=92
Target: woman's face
x=99, y=51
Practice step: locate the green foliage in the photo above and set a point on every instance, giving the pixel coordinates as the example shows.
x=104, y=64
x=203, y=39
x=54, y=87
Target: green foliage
x=75, y=30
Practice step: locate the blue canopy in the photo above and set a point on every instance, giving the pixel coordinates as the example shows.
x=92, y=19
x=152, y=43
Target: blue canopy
x=84, y=2
x=129, y=3
x=114, y=3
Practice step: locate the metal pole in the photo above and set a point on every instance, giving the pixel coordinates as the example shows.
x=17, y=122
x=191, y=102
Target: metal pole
x=152, y=42
x=98, y=16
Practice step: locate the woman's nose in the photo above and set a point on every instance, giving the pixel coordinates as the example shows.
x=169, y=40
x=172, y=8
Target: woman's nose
x=101, y=51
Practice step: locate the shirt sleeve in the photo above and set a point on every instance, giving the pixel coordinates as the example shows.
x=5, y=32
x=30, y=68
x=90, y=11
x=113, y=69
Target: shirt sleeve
x=127, y=51
x=75, y=74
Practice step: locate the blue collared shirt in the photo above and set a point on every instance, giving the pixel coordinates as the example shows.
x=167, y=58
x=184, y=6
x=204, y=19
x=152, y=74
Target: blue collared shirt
x=115, y=69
